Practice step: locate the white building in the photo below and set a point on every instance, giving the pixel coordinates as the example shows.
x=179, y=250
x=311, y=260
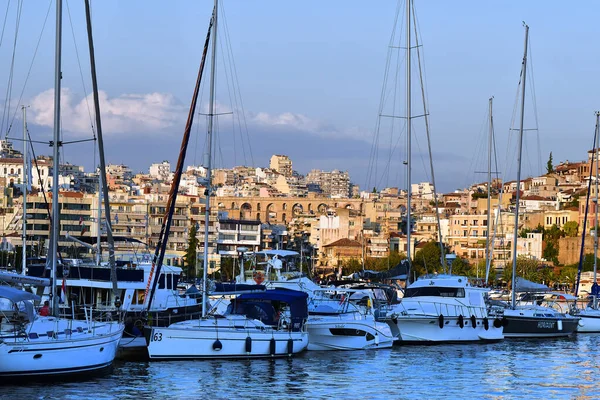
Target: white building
x=423, y=190
x=161, y=170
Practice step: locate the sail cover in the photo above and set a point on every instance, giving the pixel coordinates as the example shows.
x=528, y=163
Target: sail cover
x=524, y=285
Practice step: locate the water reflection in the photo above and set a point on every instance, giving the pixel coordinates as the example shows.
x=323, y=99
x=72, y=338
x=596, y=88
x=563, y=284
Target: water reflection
x=509, y=369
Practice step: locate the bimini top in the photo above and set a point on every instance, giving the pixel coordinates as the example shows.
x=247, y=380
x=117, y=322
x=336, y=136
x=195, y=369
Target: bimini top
x=297, y=301
x=525, y=285
x=16, y=295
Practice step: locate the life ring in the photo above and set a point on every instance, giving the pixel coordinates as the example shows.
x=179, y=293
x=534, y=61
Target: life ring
x=258, y=277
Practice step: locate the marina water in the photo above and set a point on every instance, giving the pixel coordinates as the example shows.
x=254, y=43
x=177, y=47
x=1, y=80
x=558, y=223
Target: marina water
x=557, y=368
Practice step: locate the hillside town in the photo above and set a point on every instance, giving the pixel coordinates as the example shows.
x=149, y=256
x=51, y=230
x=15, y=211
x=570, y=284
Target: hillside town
x=338, y=228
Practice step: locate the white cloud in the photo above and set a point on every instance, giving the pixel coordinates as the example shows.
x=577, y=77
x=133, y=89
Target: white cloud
x=126, y=113
x=305, y=124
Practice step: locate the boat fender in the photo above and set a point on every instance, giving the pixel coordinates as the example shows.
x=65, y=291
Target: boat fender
x=497, y=323
x=559, y=325
x=461, y=321
x=376, y=339
x=290, y=347
x=217, y=345
x=441, y=321
x=473, y=321
x=272, y=346
x=504, y=322
x=486, y=323
x=248, y=345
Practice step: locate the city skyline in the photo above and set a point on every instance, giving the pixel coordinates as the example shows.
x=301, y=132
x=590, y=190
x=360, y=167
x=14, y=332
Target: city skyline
x=317, y=88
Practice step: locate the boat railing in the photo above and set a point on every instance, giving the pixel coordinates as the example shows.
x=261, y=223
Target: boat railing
x=435, y=309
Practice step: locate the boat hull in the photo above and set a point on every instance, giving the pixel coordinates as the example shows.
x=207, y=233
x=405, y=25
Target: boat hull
x=62, y=357
x=324, y=334
x=426, y=329
x=590, y=321
x=176, y=343
x=538, y=327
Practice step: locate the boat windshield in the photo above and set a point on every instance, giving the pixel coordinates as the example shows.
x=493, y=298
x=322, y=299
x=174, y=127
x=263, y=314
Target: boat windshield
x=434, y=291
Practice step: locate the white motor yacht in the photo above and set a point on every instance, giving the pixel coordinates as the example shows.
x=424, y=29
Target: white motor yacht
x=444, y=308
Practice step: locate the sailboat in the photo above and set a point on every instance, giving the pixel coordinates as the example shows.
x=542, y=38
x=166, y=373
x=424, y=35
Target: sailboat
x=268, y=323
x=48, y=345
x=530, y=320
x=437, y=308
x=590, y=316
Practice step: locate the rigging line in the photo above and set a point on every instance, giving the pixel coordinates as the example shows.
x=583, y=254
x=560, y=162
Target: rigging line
x=372, y=167
x=228, y=85
x=30, y=68
x=4, y=23
x=85, y=92
x=396, y=146
x=12, y=70
x=237, y=85
x=534, y=100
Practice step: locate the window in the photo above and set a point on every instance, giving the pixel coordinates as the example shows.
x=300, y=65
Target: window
x=434, y=291
x=475, y=233
x=465, y=233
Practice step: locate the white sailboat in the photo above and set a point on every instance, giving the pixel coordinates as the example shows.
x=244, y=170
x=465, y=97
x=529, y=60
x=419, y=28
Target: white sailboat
x=590, y=316
x=49, y=345
x=259, y=324
x=530, y=320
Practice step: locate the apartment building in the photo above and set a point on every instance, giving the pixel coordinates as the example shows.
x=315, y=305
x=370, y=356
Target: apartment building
x=282, y=164
x=333, y=184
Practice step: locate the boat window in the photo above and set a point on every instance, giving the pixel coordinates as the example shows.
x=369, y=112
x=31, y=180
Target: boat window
x=435, y=291
x=170, y=281
x=33, y=335
x=161, y=281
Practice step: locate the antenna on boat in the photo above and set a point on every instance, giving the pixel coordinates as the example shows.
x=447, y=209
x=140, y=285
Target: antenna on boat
x=516, y=231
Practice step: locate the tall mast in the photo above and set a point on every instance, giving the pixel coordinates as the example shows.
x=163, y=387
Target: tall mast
x=25, y=182
x=408, y=135
x=595, y=304
x=516, y=232
x=103, y=181
x=211, y=110
x=488, y=251
x=54, y=235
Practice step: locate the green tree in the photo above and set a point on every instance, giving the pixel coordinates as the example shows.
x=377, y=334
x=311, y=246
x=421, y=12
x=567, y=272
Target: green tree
x=461, y=266
x=571, y=228
x=428, y=258
x=189, y=259
x=549, y=166
x=374, y=189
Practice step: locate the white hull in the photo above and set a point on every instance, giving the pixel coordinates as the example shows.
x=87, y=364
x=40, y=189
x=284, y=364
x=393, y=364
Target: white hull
x=331, y=333
x=590, y=321
x=78, y=352
x=199, y=339
x=427, y=329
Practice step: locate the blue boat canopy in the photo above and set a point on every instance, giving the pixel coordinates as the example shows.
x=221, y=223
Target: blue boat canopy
x=16, y=295
x=297, y=301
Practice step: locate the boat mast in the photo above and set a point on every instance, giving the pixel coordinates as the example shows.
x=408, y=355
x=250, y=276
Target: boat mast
x=488, y=252
x=208, y=191
x=595, y=298
x=54, y=234
x=408, y=139
x=516, y=232
x=109, y=235
x=25, y=182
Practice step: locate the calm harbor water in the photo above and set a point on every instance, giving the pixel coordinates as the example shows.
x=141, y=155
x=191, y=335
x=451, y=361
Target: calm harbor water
x=558, y=368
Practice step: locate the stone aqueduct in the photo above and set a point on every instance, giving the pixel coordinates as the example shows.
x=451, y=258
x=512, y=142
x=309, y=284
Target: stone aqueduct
x=283, y=209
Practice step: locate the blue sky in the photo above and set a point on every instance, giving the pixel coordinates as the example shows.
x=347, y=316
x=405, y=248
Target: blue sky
x=310, y=75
